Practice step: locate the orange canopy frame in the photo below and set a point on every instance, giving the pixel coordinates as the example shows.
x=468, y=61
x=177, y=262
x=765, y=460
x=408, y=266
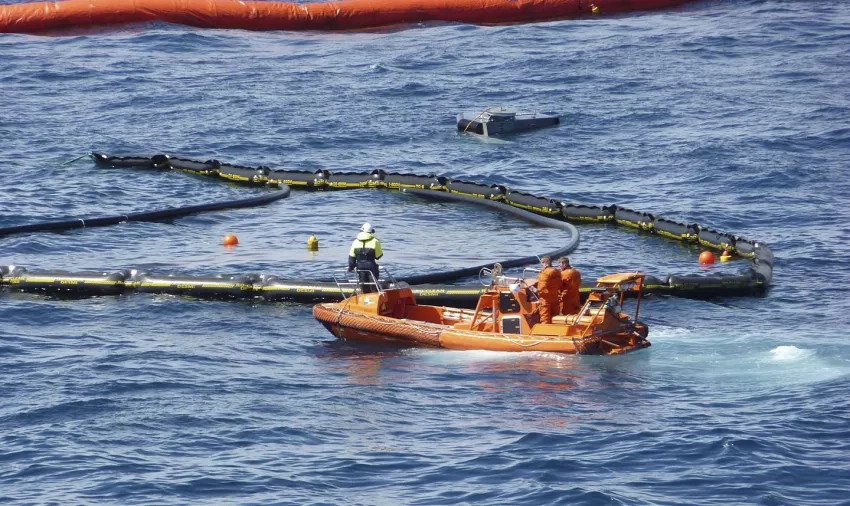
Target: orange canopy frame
x=346, y=15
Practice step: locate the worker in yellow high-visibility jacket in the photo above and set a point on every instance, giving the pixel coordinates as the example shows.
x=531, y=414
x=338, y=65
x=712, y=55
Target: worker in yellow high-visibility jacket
x=364, y=254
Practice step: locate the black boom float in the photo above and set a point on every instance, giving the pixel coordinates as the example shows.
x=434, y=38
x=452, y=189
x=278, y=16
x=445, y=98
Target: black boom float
x=753, y=280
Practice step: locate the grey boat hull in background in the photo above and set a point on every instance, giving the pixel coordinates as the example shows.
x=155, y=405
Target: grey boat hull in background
x=501, y=121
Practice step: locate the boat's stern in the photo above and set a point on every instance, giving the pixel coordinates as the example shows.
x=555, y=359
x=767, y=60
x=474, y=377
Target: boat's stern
x=629, y=339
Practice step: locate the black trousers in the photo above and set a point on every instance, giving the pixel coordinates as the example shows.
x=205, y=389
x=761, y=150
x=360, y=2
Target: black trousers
x=367, y=282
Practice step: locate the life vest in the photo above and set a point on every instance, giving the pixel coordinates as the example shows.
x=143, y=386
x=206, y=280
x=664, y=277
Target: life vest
x=548, y=283
x=570, y=280
x=365, y=251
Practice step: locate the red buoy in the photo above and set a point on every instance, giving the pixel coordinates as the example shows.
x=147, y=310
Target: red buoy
x=706, y=257
x=230, y=240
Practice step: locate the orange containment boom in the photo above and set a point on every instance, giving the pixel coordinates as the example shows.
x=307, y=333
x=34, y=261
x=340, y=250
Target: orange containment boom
x=346, y=15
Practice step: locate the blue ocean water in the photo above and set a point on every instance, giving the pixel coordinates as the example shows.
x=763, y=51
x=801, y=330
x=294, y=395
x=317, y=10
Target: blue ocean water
x=731, y=114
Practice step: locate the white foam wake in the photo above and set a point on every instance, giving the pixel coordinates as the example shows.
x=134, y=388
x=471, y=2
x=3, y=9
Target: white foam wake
x=789, y=354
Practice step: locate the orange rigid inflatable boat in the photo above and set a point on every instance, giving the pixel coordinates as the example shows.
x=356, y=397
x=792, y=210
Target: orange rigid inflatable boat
x=506, y=318
x=33, y=17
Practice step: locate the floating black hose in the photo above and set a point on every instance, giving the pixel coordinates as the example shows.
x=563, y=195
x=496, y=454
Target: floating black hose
x=157, y=215
x=74, y=285
x=446, y=276
x=545, y=211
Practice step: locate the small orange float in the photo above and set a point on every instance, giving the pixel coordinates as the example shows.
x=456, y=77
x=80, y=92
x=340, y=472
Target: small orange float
x=505, y=319
x=230, y=240
x=706, y=258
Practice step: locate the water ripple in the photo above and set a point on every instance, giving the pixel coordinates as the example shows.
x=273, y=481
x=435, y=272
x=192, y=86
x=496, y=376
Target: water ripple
x=731, y=115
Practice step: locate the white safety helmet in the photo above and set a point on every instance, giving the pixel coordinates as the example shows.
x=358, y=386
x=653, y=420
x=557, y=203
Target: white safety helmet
x=367, y=227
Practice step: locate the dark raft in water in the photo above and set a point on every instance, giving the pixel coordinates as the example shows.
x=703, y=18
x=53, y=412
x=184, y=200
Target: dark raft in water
x=501, y=121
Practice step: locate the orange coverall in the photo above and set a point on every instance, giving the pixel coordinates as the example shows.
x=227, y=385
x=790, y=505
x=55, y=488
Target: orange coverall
x=548, y=284
x=570, y=283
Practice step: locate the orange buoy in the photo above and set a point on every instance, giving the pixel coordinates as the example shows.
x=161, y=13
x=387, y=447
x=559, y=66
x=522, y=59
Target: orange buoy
x=706, y=257
x=230, y=240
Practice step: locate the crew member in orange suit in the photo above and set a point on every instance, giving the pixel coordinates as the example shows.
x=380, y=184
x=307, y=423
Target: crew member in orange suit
x=570, y=283
x=548, y=284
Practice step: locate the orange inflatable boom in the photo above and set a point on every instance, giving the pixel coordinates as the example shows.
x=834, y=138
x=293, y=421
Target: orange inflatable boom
x=346, y=15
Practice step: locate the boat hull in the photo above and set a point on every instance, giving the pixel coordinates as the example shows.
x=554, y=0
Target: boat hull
x=353, y=325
